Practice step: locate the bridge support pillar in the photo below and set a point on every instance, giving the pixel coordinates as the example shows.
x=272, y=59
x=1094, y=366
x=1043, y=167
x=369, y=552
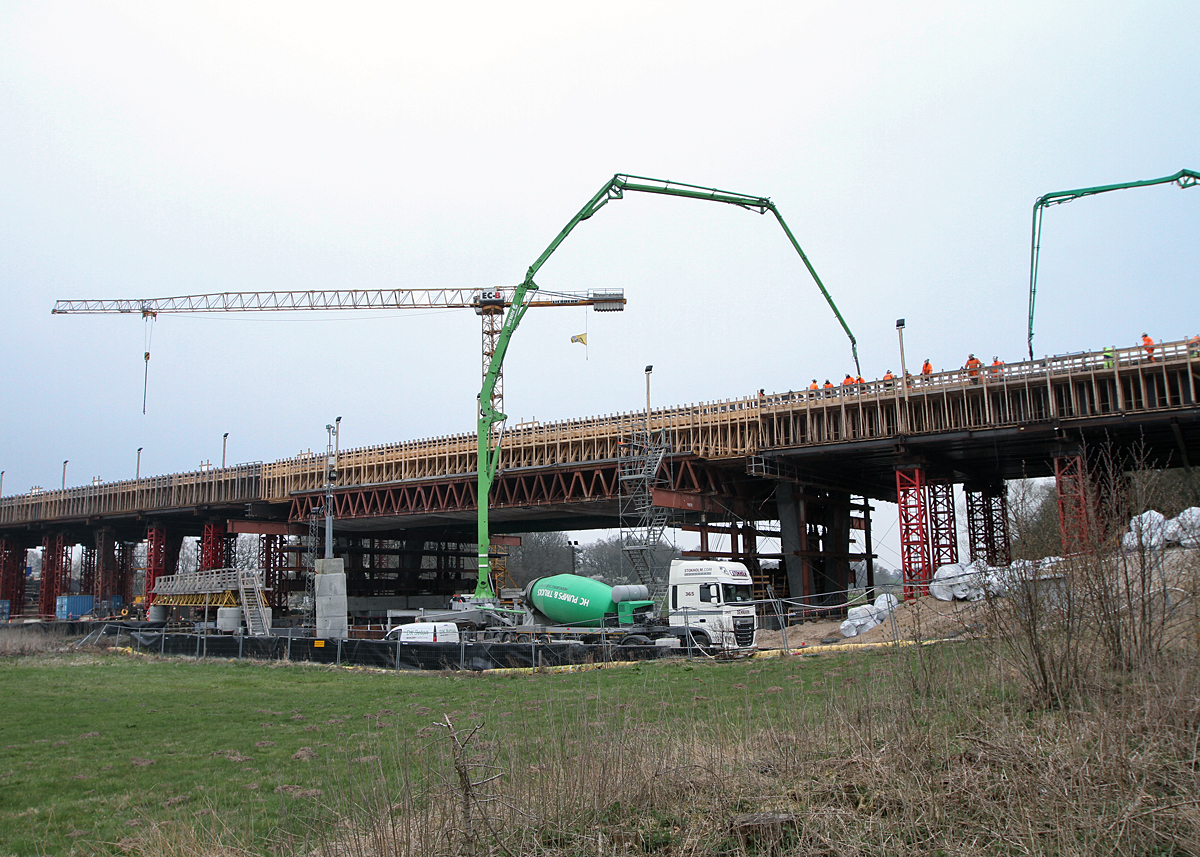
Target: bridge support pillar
x=156, y=560
x=1072, y=487
x=914, y=529
x=270, y=560
x=793, y=537
x=212, y=546
x=12, y=576
x=123, y=582
x=943, y=528
x=987, y=525
x=106, y=576
x=87, y=570
x=56, y=572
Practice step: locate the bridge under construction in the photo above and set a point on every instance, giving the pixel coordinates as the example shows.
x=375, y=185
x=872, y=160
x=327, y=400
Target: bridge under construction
x=799, y=469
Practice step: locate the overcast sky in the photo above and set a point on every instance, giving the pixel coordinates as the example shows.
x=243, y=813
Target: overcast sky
x=152, y=149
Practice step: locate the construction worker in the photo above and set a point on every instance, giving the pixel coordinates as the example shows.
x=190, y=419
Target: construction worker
x=927, y=367
x=848, y=381
x=1194, y=346
x=997, y=367
x=972, y=367
x=813, y=385
x=1110, y=356
x=828, y=384
x=858, y=379
x=1148, y=344
x=888, y=378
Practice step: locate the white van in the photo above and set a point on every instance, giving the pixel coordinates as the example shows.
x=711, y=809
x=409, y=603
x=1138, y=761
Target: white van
x=427, y=632
x=715, y=600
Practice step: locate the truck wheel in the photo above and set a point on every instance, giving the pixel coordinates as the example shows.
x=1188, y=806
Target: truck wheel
x=636, y=640
x=699, y=640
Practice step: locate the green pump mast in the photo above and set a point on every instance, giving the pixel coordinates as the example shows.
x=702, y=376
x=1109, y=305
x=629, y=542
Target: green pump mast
x=489, y=416
x=1183, y=178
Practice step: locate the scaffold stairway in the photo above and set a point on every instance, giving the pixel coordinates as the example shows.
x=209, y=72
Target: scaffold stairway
x=642, y=523
x=252, y=604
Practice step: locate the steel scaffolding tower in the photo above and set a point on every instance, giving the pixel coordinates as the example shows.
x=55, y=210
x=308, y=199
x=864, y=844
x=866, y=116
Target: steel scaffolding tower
x=642, y=523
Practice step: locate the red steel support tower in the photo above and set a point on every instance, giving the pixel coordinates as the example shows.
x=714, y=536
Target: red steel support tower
x=212, y=546
x=943, y=528
x=987, y=526
x=270, y=560
x=914, y=529
x=1071, y=482
x=56, y=572
x=156, y=560
x=12, y=576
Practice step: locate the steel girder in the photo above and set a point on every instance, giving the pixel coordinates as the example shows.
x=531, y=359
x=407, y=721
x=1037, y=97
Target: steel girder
x=914, y=529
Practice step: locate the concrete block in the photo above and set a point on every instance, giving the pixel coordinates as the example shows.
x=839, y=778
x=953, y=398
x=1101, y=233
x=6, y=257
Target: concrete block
x=329, y=566
x=329, y=584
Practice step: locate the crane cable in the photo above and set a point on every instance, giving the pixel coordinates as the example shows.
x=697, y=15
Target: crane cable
x=148, y=317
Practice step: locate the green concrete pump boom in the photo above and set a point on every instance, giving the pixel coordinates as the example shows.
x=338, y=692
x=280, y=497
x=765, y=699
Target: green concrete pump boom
x=489, y=455
x=1183, y=178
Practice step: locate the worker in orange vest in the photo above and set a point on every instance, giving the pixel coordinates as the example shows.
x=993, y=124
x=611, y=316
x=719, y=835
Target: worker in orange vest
x=1148, y=344
x=813, y=385
x=997, y=367
x=1194, y=346
x=888, y=378
x=973, y=365
x=828, y=387
x=848, y=381
x=927, y=367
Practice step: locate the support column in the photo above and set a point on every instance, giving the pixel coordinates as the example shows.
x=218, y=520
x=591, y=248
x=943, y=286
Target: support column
x=943, y=528
x=792, y=538
x=914, y=535
x=106, y=567
x=212, y=546
x=270, y=560
x=1071, y=484
x=12, y=576
x=123, y=582
x=56, y=570
x=999, y=542
x=837, y=547
x=156, y=560
x=87, y=570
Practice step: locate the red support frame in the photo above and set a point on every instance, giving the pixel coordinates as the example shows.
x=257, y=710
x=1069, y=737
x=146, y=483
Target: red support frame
x=914, y=530
x=987, y=526
x=56, y=572
x=87, y=570
x=12, y=576
x=1071, y=484
x=212, y=546
x=943, y=527
x=156, y=560
x=271, y=561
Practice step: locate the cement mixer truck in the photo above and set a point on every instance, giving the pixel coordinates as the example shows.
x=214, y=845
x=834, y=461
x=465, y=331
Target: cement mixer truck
x=709, y=606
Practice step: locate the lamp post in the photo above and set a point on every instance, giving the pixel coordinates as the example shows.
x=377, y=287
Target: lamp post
x=572, y=547
x=649, y=369
x=903, y=369
x=138, y=473
x=1, y=483
x=64, y=481
x=331, y=454
x=224, y=444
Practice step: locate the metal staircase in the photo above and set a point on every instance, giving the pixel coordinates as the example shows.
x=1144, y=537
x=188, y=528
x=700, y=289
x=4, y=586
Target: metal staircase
x=253, y=605
x=642, y=523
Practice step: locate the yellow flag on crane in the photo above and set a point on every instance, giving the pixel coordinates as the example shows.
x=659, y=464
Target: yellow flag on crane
x=581, y=339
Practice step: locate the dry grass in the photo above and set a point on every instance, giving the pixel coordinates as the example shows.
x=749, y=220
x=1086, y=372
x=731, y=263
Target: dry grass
x=18, y=642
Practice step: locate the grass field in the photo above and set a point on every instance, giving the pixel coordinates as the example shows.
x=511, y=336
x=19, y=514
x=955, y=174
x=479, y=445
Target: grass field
x=904, y=751
x=95, y=746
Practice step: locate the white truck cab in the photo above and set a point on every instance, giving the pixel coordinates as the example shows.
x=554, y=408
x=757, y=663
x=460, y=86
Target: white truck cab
x=715, y=600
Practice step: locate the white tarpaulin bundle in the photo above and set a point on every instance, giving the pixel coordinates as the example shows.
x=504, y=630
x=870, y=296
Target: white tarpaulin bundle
x=1147, y=530
x=1187, y=527
x=956, y=580
x=867, y=616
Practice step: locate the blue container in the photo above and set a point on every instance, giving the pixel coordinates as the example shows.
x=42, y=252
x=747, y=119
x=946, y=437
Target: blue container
x=71, y=607
x=115, y=603
x=4, y=611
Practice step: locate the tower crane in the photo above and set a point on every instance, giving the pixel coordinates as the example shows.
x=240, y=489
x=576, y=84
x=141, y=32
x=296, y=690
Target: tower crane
x=510, y=303
x=1183, y=178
